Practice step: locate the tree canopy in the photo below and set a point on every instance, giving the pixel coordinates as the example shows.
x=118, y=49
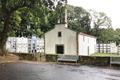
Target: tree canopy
x=23, y=17
x=28, y=17
x=79, y=19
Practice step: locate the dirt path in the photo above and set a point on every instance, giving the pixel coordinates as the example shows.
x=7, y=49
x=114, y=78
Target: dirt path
x=9, y=58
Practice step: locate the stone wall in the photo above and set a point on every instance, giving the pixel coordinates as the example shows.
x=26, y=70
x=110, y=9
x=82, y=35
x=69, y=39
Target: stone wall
x=23, y=56
x=31, y=57
x=51, y=57
x=85, y=60
x=94, y=60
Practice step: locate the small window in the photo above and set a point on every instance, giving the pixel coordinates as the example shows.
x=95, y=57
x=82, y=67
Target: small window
x=29, y=44
x=59, y=34
x=33, y=47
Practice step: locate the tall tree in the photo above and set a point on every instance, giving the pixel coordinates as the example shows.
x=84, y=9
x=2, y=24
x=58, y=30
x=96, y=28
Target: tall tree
x=9, y=15
x=99, y=20
x=117, y=36
x=23, y=17
x=79, y=19
x=106, y=35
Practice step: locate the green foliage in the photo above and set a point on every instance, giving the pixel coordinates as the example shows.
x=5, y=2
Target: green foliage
x=106, y=55
x=78, y=19
x=22, y=18
x=117, y=36
x=100, y=19
x=28, y=17
x=106, y=35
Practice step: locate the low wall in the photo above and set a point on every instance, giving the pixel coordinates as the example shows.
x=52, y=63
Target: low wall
x=86, y=60
x=51, y=57
x=31, y=57
x=24, y=56
x=94, y=60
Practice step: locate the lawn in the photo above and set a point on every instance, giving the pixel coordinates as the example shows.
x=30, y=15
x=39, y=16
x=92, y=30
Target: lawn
x=106, y=54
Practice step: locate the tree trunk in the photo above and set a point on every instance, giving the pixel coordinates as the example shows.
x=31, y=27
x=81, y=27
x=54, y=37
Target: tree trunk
x=4, y=34
x=2, y=48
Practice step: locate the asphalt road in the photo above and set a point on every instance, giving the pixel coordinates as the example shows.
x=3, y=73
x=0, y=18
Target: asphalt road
x=42, y=71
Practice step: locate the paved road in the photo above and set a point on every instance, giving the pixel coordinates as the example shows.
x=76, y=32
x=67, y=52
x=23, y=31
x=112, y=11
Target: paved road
x=33, y=71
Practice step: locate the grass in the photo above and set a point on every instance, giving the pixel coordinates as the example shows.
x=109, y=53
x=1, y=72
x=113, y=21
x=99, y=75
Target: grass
x=106, y=54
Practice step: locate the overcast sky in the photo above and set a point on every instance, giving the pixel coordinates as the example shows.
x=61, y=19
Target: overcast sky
x=110, y=7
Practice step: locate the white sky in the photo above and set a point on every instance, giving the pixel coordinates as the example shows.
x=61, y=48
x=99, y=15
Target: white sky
x=110, y=7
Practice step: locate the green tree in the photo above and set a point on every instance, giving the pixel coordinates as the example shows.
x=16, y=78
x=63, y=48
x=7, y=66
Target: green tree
x=79, y=19
x=106, y=35
x=23, y=18
x=99, y=19
x=9, y=16
x=117, y=36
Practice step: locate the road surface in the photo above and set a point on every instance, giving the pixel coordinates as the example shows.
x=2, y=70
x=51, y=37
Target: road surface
x=46, y=71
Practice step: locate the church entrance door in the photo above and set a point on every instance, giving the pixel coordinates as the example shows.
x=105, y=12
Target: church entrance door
x=60, y=49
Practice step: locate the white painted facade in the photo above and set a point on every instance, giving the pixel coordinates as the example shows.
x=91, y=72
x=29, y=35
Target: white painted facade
x=35, y=44
x=25, y=45
x=107, y=48
x=86, y=44
x=67, y=39
x=113, y=48
x=118, y=49
x=11, y=44
x=40, y=45
x=73, y=43
x=21, y=45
